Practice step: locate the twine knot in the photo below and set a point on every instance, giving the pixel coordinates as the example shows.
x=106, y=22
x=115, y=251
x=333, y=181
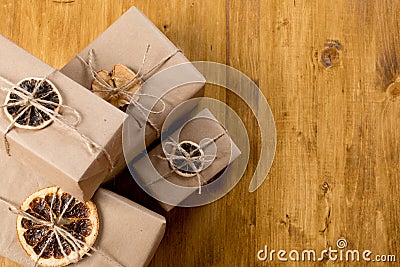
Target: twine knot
x=189, y=159
x=115, y=90
x=29, y=99
x=123, y=90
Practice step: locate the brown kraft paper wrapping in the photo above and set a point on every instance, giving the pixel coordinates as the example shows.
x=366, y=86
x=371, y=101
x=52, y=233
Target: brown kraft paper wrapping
x=203, y=125
x=54, y=151
x=128, y=232
x=125, y=42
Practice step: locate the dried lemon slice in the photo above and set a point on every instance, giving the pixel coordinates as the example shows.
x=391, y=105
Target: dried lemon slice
x=77, y=218
x=182, y=164
x=119, y=76
x=30, y=117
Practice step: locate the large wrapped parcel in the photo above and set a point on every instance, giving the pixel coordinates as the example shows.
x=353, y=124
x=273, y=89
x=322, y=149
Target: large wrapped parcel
x=165, y=77
x=81, y=141
x=128, y=233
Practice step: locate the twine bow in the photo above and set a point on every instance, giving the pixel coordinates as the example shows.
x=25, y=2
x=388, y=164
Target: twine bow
x=124, y=89
x=57, y=231
x=196, y=163
x=30, y=100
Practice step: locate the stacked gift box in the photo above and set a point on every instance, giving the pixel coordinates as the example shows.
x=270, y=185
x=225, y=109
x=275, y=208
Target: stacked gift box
x=73, y=139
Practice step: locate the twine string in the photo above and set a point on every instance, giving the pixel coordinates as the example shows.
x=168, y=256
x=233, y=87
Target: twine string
x=58, y=231
x=62, y=248
x=9, y=128
x=124, y=89
x=53, y=199
x=30, y=100
x=55, y=232
x=48, y=239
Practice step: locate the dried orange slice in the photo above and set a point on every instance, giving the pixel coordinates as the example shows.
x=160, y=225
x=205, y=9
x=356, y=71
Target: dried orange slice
x=31, y=117
x=119, y=76
x=77, y=218
x=183, y=164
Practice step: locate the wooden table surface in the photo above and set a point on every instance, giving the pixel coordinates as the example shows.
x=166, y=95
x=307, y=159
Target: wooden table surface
x=330, y=72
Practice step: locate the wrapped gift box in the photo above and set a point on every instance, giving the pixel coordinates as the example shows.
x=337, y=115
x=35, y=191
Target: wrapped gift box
x=128, y=232
x=125, y=42
x=156, y=170
x=57, y=152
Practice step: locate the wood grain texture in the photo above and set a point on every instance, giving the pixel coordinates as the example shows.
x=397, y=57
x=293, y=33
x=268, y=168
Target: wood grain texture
x=330, y=72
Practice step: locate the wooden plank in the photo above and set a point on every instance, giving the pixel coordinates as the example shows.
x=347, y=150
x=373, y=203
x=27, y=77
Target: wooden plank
x=329, y=70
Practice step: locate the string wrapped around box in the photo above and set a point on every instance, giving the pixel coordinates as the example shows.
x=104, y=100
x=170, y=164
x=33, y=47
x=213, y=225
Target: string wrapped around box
x=30, y=99
x=138, y=78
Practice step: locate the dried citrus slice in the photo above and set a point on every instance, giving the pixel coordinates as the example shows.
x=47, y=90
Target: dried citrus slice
x=183, y=164
x=30, y=117
x=77, y=218
x=119, y=76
